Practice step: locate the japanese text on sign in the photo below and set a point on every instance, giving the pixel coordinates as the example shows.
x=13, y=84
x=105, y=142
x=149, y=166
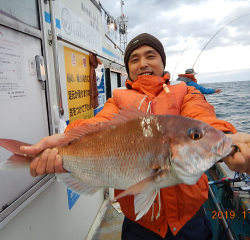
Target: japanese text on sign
x=78, y=94
x=78, y=85
x=73, y=112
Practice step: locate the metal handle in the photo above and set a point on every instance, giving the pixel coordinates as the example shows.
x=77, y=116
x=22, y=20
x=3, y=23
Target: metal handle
x=55, y=57
x=40, y=69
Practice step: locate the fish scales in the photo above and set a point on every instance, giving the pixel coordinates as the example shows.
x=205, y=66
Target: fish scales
x=134, y=151
x=118, y=156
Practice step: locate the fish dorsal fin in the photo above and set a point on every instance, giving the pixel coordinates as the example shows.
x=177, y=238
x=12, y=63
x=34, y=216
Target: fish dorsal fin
x=125, y=114
x=76, y=185
x=131, y=112
x=76, y=133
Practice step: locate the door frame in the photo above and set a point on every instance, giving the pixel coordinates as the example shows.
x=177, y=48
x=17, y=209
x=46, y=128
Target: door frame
x=10, y=211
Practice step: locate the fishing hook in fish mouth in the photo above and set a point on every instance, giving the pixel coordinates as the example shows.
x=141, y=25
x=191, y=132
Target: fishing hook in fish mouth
x=235, y=149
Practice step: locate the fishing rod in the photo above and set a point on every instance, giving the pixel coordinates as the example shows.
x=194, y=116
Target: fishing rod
x=216, y=34
x=242, y=178
x=184, y=51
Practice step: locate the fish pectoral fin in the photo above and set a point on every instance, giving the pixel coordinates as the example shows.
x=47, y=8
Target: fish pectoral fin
x=145, y=185
x=143, y=202
x=145, y=188
x=76, y=185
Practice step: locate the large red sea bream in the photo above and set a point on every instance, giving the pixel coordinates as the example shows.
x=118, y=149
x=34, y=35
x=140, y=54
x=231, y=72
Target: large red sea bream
x=137, y=152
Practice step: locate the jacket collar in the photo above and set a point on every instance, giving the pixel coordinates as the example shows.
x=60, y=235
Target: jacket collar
x=147, y=84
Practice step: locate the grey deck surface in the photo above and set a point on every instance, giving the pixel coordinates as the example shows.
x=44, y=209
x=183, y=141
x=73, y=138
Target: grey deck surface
x=110, y=227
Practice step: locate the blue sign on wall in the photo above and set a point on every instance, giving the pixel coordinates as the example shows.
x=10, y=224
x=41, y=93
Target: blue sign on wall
x=100, y=80
x=101, y=88
x=72, y=198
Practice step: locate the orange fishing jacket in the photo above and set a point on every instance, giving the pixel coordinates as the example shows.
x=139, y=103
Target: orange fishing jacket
x=178, y=203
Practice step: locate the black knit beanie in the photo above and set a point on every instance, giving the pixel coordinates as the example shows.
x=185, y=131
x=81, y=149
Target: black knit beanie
x=144, y=39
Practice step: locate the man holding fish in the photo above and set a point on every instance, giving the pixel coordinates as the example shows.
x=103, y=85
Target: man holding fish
x=165, y=203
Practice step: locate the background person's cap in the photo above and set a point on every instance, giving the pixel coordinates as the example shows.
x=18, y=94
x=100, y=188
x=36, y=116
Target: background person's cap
x=144, y=39
x=190, y=71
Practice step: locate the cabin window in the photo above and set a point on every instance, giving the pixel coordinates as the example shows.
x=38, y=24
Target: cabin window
x=25, y=11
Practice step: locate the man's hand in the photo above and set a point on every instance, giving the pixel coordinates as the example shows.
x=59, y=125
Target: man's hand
x=217, y=90
x=49, y=161
x=240, y=161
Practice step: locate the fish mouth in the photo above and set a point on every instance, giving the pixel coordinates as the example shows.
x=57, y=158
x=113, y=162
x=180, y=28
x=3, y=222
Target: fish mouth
x=223, y=148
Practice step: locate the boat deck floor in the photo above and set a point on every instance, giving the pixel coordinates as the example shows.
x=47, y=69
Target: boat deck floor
x=110, y=226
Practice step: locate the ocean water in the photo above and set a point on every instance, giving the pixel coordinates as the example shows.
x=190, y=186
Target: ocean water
x=232, y=104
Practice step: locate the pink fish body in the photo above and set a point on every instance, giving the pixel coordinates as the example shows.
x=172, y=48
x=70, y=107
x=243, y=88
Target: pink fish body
x=137, y=152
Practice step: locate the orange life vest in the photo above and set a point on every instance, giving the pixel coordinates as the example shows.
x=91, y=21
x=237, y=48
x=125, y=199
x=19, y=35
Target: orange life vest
x=191, y=76
x=170, y=103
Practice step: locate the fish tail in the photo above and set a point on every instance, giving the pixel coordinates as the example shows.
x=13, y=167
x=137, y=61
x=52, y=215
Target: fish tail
x=19, y=159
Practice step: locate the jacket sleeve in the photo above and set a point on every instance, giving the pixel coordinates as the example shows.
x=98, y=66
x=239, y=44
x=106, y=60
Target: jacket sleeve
x=196, y=106
x=201, y=89
x=104, y=115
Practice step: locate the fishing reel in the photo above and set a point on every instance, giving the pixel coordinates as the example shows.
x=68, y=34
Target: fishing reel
x=232, y=193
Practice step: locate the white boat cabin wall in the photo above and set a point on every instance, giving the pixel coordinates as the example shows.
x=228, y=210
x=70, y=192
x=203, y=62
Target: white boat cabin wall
x=44, y=85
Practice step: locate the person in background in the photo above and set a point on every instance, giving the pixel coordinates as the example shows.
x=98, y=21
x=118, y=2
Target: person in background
x=190, y=80
x=182, y=215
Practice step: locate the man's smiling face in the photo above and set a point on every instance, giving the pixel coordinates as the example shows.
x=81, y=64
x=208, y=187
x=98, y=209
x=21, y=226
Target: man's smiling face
x=145, y=60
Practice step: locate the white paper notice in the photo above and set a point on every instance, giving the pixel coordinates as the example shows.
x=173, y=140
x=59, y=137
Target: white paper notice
x=12, y=84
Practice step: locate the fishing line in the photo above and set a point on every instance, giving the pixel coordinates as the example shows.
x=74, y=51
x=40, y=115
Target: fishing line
x=184, y=51
x=216, y=34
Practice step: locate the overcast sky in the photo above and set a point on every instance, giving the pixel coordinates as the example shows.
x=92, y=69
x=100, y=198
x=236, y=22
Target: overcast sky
x=190, y=24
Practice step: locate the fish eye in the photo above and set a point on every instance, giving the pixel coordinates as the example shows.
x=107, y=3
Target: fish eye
x=195, y=134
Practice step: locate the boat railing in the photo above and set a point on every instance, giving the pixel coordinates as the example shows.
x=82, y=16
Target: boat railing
x=115, y=46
